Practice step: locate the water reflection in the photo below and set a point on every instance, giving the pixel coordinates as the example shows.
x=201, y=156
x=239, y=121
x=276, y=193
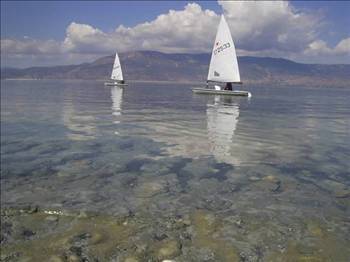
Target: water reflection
x=117, y=99
x=222, y=119
x=80, y=125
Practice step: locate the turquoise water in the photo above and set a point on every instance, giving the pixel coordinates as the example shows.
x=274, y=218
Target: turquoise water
x=274, y=162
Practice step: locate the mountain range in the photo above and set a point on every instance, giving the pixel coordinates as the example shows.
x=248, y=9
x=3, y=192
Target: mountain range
x=157, y=66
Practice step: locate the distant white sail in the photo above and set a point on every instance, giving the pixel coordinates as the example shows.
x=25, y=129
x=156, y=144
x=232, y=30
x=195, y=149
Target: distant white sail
x=223, y=64
x=117, y=73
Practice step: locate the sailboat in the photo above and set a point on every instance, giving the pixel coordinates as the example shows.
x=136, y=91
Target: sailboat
x=223, y=66
x=117, y=74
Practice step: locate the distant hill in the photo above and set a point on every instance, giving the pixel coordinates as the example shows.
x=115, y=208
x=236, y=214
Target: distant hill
x=156, y=66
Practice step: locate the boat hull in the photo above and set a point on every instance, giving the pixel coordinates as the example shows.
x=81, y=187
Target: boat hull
x=115, y=84
x=221, y=92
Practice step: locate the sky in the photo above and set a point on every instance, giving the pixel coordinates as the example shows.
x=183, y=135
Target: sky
x=41, y=33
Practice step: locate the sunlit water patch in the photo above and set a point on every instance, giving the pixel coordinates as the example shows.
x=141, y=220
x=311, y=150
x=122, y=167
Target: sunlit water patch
x=211, y=178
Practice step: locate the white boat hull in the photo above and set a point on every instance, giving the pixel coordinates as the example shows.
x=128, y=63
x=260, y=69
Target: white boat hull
x=221, y=92
x=115, y=84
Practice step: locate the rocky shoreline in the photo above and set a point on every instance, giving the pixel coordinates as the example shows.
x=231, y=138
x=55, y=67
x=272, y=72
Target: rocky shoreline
x=34, y=234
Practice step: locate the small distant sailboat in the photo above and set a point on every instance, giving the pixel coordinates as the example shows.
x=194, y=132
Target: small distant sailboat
x=117, y=74
x=223, y=64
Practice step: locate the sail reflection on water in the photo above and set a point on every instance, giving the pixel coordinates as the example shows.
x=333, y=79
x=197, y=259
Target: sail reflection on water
x=80, y=125
x=117, y=99
x=222, y=119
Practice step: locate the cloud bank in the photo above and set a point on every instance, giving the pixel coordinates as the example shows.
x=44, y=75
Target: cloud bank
x=273, y=28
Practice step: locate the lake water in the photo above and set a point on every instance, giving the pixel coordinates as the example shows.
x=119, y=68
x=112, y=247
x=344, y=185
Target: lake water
x=269, y=175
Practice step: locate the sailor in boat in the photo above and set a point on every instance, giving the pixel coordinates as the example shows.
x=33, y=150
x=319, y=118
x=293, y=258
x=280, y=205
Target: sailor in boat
x=228, y=86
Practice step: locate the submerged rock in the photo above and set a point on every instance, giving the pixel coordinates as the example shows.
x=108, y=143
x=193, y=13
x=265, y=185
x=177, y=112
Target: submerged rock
x=96, y=238
x=206, y=230
x=73, y=258
x=168, y=249
x=131, y=259
x=55, y=258
x=75, y=238
x=27, y=233
x=9, y=256
x=269, y=183
x=254, y=178
x=338, y=189
x=52, y=218
x=29, y=209
x=150, y=189
x=318, y=244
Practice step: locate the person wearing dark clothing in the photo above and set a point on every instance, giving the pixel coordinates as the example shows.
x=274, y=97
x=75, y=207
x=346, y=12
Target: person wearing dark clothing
x=228, y=86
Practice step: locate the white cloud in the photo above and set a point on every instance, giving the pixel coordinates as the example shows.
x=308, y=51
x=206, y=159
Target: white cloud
x=188, y=30
x=30, y=46
x=82, y=38
x=268, y=28
x=255, y=26
x=343, y=47
x=32, y=52
x=269, y=25
x=320, y=47
x=318, y=51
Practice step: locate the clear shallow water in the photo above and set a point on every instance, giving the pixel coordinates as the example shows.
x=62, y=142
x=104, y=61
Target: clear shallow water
x=274, y=162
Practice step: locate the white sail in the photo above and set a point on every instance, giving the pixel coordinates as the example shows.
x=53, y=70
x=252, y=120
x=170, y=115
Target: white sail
x=117, y=73
x=223, y=64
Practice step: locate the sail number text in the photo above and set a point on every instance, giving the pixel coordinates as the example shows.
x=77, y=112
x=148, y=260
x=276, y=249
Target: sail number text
x=221, y=48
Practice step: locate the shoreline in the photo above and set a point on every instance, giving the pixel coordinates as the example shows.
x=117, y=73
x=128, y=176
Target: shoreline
x=202, y=83
x=30, y=233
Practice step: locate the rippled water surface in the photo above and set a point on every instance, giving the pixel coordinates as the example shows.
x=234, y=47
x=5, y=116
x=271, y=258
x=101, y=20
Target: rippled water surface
x=272, y=171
